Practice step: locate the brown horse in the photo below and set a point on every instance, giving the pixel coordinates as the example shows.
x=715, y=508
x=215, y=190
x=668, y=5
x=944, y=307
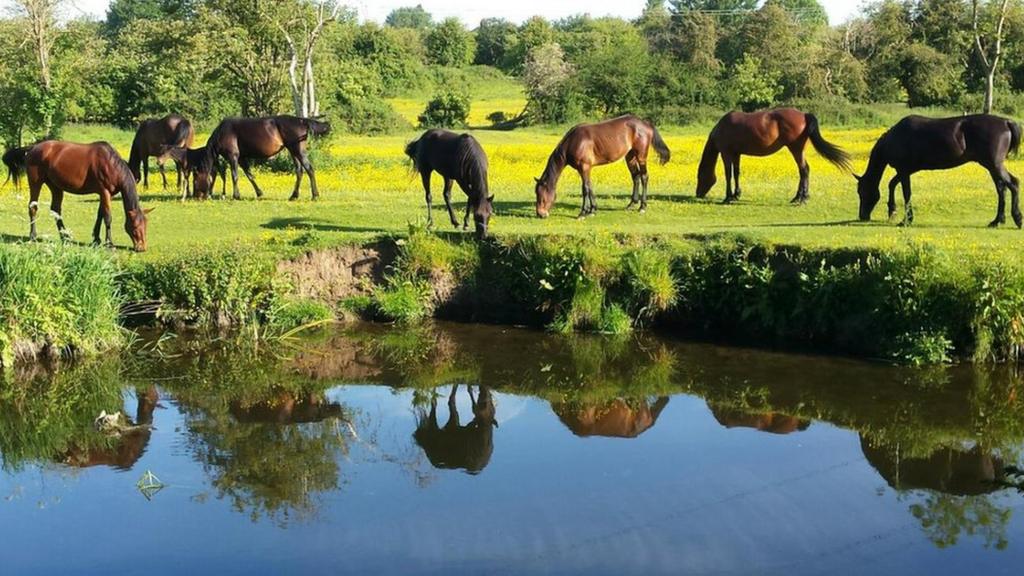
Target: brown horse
x=616, y=419
x=242, y=140
x=84, y=169
x=770, y=422
x=152, y=139
x=589, y=145
x=763, y=134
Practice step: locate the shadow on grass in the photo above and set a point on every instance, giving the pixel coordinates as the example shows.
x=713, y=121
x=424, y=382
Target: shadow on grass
x=46, y=239
x=303, y=223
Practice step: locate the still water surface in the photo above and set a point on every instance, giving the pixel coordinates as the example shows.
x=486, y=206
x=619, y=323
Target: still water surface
x=469, y=450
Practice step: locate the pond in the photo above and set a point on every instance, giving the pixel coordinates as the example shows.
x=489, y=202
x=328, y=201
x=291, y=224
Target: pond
x=455, y=449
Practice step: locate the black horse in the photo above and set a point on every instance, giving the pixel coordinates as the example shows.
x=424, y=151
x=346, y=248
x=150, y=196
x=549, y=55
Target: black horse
x=917, y=143
x=457, y=158
x=198, y=168
x=242, y=140
x=455, y=446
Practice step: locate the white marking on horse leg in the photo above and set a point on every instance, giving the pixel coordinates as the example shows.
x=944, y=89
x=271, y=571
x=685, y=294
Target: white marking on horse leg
x=33, y=204
x=56, y=215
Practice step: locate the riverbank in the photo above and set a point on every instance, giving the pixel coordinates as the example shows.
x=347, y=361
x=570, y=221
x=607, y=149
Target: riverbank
x=916, y=304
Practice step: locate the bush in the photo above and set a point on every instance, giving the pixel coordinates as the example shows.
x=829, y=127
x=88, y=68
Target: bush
x=370, y=116
x=449, y=109
x=450, y=44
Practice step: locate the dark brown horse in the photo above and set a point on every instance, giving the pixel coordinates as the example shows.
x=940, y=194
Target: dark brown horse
x=763, y=134
x=917, y=143
x=589, y=145
x=84, y=169
x=152, y=139
x=129, y=446
x=199, y=179
x=457, y=158
x=242, y=140
x=455, y=446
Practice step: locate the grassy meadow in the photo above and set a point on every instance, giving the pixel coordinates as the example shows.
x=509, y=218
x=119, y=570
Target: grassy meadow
x=369, y=189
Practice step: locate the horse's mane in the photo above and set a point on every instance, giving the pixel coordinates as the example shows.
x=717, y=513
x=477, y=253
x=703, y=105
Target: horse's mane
x=472, y=164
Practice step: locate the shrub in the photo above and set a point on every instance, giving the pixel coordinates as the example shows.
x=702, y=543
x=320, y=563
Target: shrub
x=448, y=109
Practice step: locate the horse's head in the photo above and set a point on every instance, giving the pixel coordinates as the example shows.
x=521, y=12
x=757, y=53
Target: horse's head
x=135, y=226
x=545, y=197
x=869, y=196
x=705, y=182
x=482, y=216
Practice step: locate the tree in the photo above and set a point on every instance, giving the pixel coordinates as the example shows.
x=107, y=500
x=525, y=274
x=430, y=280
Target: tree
x=120, y=13
x=414, y=17
x=806, y=12
x=323, y=13
x=755, y=85
x=533, y=33
x=548, y=79
x=988, y=42
x=450, y=44
x=494, y=39
x=41, y=33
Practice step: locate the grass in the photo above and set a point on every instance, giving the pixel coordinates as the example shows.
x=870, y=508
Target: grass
x=368, y=189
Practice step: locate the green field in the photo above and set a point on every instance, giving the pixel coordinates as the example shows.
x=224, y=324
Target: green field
x=368, y=189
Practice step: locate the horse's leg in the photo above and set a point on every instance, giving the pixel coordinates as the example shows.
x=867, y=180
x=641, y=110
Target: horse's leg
x=1014, y=184
x=223, y=178
x=163, y=172
x=997, y=179
x=99, y=221
x=908, y=219
x=308, y=166
x=590, y=192
x=248, y=174
x=465, y=219
x=105, y=208
x=56, y=201
x=587, y=207
x=803, y=189
x=33, y=207
x=727, y=161
x=736, y=177
x=234, y=177
x=298, y=178
x=448, y=201
x=892, y=195
x=644, y=181
x=430, y=199
x=177, y=171
x=145, y=173
x=634, y=172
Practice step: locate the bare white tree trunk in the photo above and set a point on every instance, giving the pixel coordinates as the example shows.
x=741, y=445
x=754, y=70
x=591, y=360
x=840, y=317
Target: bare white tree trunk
x=989, y=61
x=304, y=87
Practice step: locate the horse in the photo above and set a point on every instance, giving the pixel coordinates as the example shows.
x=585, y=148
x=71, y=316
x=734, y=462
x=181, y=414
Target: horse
x=763, y=134
x=588, y=145
x=616, y=419
x=955, y=470
x=84, y=169
x=455, y=446
x=198, y=179
x=152, y=139
x=457, y=158
x=14, y=160
x=242, y=140
x=770, y=422
x=128, y=447
x=917, y=143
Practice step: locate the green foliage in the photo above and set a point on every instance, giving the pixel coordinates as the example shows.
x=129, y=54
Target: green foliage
x=450, y=44
x=448, y=109
x=551, y=98
x=413, y=17
x=292, y=313
x=495, y=39
x=56, y=300
x=403, y=300
x=754, y=85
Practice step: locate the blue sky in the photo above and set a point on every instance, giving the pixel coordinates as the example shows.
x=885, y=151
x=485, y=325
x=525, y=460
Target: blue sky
x=471, y=11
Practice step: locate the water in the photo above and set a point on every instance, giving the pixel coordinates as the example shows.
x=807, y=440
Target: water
x=571, y=456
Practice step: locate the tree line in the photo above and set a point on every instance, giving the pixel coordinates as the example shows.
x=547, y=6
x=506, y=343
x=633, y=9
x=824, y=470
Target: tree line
x=213, y=58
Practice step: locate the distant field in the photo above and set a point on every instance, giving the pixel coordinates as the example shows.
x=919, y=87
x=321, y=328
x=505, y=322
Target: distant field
x=369, y=189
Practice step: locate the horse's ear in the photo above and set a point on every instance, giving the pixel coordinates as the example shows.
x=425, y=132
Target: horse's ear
x=536, y=180
x=858, y=178
x=148, y=211
x=490, y=199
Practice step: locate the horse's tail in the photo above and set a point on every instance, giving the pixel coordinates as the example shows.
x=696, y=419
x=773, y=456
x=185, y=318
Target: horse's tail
x=1015, y=136
x=412, y=150
x=183, y=134
x=664, y=154
x=15, y=159
x=831, y=152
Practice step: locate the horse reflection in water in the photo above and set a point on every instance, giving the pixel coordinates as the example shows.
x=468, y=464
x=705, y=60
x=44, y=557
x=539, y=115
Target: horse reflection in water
x=770, y=422
x=287, y=408
x=129, y=447
x=457, y=447
x=616, y=419
x=959, y=472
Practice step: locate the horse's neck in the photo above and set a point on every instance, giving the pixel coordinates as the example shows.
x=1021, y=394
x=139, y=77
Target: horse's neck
x=876, y=164
x=553, y=171
x=129, y=195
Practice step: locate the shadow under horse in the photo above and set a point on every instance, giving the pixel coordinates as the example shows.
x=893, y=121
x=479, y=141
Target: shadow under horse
x=917, y=144
x=240, y=141
x=454, y=446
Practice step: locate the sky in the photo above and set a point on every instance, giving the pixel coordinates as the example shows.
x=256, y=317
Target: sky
x=472, y=11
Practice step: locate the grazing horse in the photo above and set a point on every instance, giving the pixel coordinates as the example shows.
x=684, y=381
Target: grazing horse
x=14, y=160
x=617, y=419
x=770, y=422
x=917, y=143
x=152, y=139
x=956, y=470
x=588, y=145
x=763, y=134
x=457, y=158
x=287, y=408
x=129, y=446
x=242, y=140
x=455, y=446
x=199, y=178
x=84, y=169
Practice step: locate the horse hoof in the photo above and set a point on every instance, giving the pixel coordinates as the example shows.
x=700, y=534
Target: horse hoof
x=995, y=224
x=630, y=206
x=643, y=209
x=236, y=197
x=293, y=198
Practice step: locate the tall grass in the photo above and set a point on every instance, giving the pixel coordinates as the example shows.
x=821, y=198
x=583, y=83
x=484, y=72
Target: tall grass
x=56, y=300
